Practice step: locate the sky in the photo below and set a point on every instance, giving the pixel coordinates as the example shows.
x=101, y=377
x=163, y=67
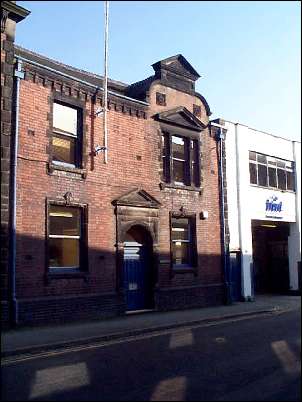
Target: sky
x=248, y=53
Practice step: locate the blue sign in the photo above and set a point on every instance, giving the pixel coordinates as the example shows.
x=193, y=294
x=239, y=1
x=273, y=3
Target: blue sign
x=272, y=204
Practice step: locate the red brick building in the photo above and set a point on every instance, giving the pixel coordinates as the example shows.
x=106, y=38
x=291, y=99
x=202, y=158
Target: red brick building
x=140, y=232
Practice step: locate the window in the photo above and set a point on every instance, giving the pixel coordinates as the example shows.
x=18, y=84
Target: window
x=179, y=160
x=160, y=99
x=197, y=110
x=182, y=242
x=267, y=171
x=66, y=138
x=194, y=163
x=180, y=157
x=65, y=237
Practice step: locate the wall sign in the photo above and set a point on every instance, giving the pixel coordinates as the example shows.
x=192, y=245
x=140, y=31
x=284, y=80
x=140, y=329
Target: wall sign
x=273, y=207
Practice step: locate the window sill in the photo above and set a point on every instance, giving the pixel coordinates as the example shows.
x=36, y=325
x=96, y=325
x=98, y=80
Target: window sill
x=183, y=270
x=52, y=166
x=163, y=185
x=65, y=274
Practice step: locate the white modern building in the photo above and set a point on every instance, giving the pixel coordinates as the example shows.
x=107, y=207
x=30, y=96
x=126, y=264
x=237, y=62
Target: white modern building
x=263, y=174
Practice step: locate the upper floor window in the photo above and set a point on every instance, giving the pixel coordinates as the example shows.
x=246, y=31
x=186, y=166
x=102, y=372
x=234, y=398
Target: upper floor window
x=66, y=137
x=180, y=160
x=197, y=110
x=65, y=237
x=271, y=172
x=160, y=99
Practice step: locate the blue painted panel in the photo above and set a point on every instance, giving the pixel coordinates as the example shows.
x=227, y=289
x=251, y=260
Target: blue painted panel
x=235, y=276
x=136, y=277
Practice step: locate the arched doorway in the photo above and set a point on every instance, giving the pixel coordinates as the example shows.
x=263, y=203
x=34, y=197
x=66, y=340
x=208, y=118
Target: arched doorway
x=138, y=270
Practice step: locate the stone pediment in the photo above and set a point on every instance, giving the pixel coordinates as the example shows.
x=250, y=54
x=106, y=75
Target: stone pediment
x=137, y=198
x=177, y=65
x=182, y=117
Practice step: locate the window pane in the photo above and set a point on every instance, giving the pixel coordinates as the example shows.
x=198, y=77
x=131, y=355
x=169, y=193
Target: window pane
x=180, y=229
x=261, y=158
x=281, y=179
x=194, y=163
x=272, y=177
x=163, y=142
x=65, y=118
x=193, y=150
x=64, y=221
x=165, y=147
x=253, y=173
x=290, y=181
x=178, y=145
x=252, y=156
x=180, y=253
x=281, y=164
x=64, y=149
x=64, y=253
x=262, y=175
x=195, y=174
x=271, y=161
x=179, y=171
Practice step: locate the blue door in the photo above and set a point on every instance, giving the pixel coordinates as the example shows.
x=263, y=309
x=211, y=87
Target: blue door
x=137, y=282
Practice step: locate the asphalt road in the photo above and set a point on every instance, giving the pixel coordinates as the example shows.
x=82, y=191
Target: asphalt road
x=248, y=360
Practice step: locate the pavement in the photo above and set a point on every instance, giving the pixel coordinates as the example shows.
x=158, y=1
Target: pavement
x=33, y=340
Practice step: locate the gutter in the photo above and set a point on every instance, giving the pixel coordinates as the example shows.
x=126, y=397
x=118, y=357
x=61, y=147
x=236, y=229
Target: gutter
x=19, y=74
x=34, y=63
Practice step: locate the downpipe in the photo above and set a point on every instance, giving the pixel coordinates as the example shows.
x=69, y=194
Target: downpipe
x=220, y=137
x=13, y=194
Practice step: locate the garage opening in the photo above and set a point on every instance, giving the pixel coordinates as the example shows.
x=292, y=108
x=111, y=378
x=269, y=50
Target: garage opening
x=270, y=257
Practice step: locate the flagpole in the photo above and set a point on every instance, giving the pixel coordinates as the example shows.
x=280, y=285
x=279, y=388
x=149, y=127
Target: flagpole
x=105, y=99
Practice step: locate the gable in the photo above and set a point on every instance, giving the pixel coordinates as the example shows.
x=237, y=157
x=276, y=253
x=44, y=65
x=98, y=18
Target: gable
x=180, y=117
x=178, y=65
x=137, y=198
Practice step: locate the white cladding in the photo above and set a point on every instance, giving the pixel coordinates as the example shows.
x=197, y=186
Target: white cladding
x=247, y=202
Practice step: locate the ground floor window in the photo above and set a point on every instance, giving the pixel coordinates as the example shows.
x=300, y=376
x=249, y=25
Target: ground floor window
x=183, y=245
x=66, y=237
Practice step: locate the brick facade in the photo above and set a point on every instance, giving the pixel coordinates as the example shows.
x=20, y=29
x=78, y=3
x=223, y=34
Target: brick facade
x=135, y=166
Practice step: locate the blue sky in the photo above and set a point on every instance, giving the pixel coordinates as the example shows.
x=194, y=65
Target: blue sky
x=247, y=53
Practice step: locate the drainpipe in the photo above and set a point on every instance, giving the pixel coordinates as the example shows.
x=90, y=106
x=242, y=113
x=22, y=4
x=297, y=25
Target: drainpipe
x=13, y=195
x=220, y=137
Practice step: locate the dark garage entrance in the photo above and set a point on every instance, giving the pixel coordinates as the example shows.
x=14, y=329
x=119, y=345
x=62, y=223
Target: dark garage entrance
x=138, y=269
x=270, y=256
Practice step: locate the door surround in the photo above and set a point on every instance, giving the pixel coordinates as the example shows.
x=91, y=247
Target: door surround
x=135, y=208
